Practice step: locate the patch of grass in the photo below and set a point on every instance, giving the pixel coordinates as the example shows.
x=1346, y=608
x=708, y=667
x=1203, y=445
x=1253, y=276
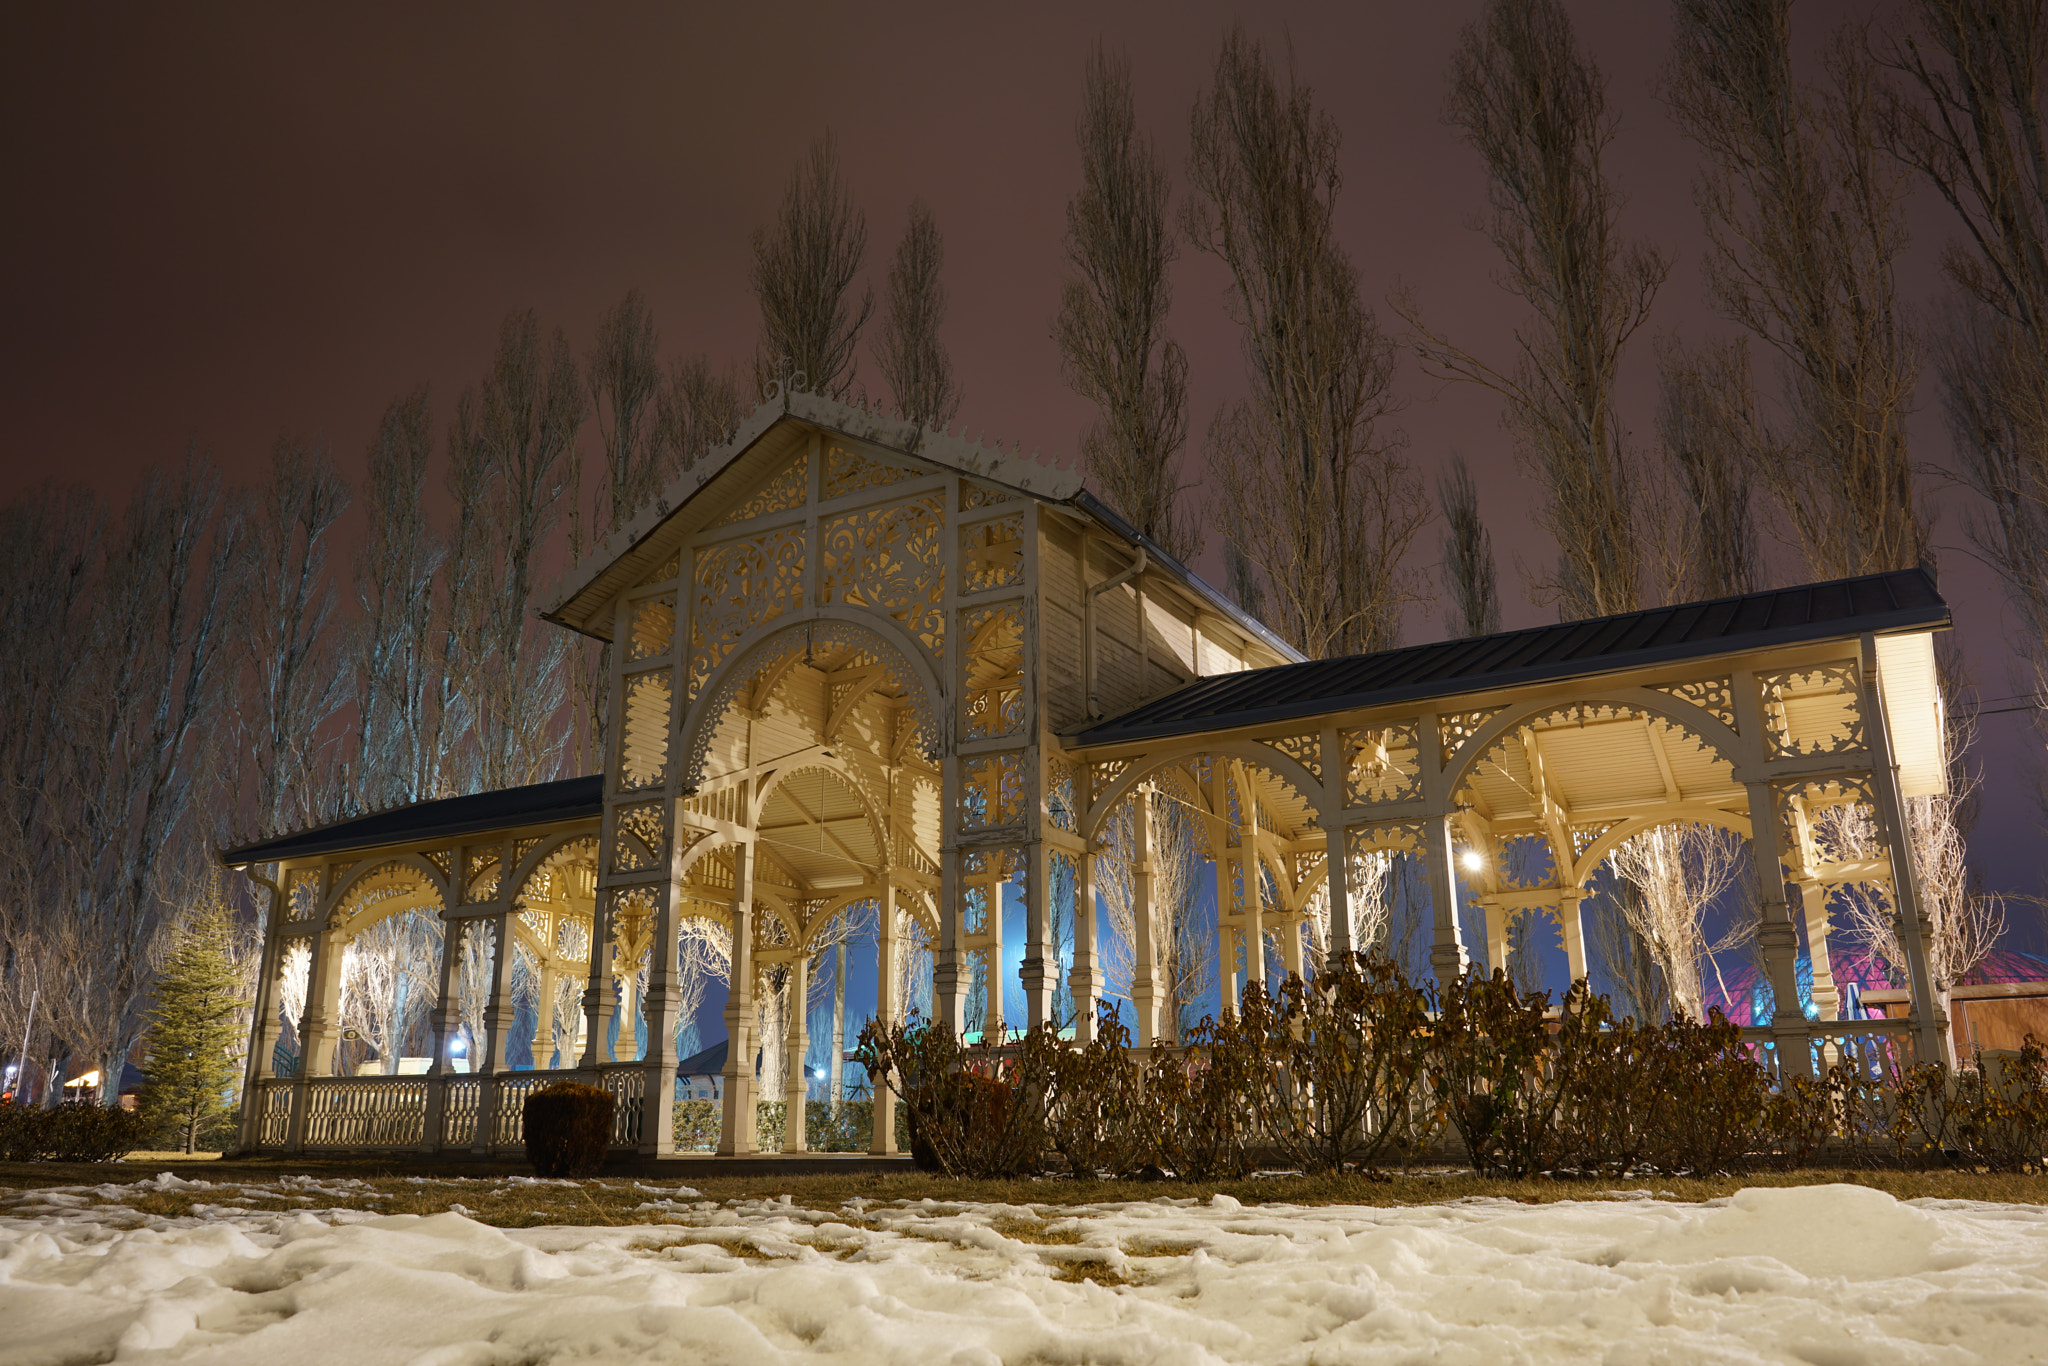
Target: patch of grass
x=1039, y=1231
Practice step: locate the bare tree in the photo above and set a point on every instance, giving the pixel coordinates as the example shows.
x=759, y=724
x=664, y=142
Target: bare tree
x=296, y=670
x=402, y=741
x=624, y=375
x=389, y=976
x=698, y=409
x=804, y=267
x=1534, y=106
x=1713, y=438
x=1804, y=223
x=1969, y=120
x=1467, y=569
x=1182, y=937
x=1678, y=873
x=912, y=357
x=1322, y=503
x=1112, y=317
x=508, y=469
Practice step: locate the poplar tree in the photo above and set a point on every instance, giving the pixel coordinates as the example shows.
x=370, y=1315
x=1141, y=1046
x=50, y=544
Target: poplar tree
x=197, y=1027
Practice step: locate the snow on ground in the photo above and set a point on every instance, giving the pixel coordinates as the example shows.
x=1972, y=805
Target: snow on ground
x=1827, y=1275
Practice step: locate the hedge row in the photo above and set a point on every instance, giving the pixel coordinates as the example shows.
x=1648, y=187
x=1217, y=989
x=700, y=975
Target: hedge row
x=1363, y=1069
x=76, y=1131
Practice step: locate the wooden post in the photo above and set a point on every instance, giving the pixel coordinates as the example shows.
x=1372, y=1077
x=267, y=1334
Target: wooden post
x=1082, y=982
x=736, y=1133
x=1777, y=936
x=1571, y=924
x=441, y=1023
x=1252, y=874
x=882, y=1133
x=796, y=1087
x=1337, y=861
x=1144, y=953
x=661, y=1004
x=949, y=982
x=498, y=1015
x=1910, y=909
x=1496, y=939
x=1039, y=971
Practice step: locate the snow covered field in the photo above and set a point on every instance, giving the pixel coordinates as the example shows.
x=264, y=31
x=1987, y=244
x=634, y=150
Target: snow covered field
x=1828, y=1275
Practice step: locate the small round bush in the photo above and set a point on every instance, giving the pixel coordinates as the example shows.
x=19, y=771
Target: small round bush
x=568, y=1126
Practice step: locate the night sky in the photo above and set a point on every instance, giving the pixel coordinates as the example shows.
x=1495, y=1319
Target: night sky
x=229, y=224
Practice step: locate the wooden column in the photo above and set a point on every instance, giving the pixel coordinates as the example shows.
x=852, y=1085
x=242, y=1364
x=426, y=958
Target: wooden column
x=498, y=1014
x=323, y=1005
x=259, y=1066
x=661, y=1005
x=949, y=982
x=1571, y=924
x=442, y=1022
x=882, y=1135
x=1251, y=872
x=736, y=1133
x=598, y=990
x=1083, y=983
x=796, y=1087
x=1144, y=953
x=1496, y=939
x=1776, y=935
x=1336, y=857
x=1813, y=897
x=1447, y=944
x=1931, y=1036
x=1039, y=971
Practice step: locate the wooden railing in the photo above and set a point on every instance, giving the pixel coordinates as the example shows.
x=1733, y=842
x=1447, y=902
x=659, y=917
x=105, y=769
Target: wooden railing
x=391, y=1113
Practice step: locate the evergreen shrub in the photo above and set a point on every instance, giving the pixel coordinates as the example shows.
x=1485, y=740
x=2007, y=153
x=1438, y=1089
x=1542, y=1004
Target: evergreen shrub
x=568, y=1127
x=76, y=1131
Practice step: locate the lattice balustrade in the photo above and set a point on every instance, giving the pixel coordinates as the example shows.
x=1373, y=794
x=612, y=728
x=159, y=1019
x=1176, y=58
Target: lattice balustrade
x=638, y=834
x=1455, y=728
x=740, y=585
x=992, y=554
x=274, y=1119
x=510, y=1122
x=888, y=558
x=462, y=1102
x=628, y=1087
x=1385, y=764
x=787, y=491
x=992, y=669
x=1306, y=750
x=850, y=471
x=358, y=1113
x=1812, y=711
x=653, y=629
x=643, y=740
x=1714, y=696
x=993, y=791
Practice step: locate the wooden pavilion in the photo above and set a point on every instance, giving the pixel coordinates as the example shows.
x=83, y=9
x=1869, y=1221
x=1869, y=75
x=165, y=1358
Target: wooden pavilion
x=861, y=667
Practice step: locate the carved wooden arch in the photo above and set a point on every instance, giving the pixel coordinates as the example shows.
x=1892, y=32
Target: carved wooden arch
x=1695, y=721
x=1689, y=814
x=1264, y=756
x=549, y=846
x=362, y=871
x=835, y=765
x=835, y=624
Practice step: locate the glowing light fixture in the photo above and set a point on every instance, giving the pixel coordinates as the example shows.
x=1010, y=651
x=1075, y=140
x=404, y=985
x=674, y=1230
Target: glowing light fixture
x=1473, y=863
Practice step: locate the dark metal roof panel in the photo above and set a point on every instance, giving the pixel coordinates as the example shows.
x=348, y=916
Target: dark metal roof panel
x=1900, y=600
x=536, y=804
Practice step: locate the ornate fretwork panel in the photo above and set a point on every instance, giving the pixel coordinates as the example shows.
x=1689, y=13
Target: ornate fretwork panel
x=974, y=901
x=572, y=939
x=993, y=790
x=302, y=897
x=480, y=877
x=521, y=848
x=1455, y=728
x=643, y=739
x=653, y=629
x=973, y=495
x=888, y=558
x=992, y=671
x=785, y=492
x=637, y=835
x=1306, y=750
x=848, y=471
x=1714, y=696
x=1000, y=864
x=666, y=571
x=376, y=891
x=1400, y=836
x=1385, y=764
x=444, y=859
x=1812, y=711
x=1101, y=775
x=741, y=585
x=992, y=554
x=1061, y=807
x=1587, y=834
x=1799, y=802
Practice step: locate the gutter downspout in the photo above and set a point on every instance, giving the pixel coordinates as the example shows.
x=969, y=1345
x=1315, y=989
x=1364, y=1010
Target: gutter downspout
x=1088, y=596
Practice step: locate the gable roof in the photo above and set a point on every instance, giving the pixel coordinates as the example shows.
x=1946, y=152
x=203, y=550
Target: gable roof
x=536, y=804
x=1903, y=600
x=771, y=434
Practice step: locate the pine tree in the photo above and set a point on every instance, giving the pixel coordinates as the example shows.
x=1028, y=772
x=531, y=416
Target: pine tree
x=195, y=1030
